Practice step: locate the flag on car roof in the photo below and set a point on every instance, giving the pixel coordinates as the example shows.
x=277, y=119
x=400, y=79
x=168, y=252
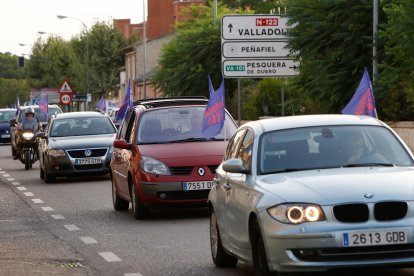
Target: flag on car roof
x=213, y=120
x=127, y=103
x=101, y=104
x=43, y=104
x=362, y=103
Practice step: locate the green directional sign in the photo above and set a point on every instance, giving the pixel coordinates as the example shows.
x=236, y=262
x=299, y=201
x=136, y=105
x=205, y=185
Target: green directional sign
x=235, y=68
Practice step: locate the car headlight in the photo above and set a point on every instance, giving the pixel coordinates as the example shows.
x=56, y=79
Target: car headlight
x=28, y=135
x=296, y=213
x=55, y=152
x=154, y=166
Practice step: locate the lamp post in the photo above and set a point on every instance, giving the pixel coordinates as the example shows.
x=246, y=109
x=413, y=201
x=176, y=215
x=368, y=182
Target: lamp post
x=87, y=48
x=43, y=33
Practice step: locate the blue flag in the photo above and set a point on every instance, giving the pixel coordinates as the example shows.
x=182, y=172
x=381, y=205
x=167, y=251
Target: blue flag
x=127, y=103
x=43, y=104
x=362, y=103
x=214, y=114
x=101, y=104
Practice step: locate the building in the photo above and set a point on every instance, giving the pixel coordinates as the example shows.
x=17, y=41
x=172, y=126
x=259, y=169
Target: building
x=162, y=16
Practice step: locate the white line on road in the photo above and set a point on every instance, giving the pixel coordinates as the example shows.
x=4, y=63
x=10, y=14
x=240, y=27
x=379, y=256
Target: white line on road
x=37, y=200
x=2, y=172
x=6, y=175
x=21, y=188
x=47, y=209
x=16, y=183
x=110, y=257
x=71, y=227
x=57, y=216
x=28, y=194
x=88, y=240
x=11, y=179
x=133, y=274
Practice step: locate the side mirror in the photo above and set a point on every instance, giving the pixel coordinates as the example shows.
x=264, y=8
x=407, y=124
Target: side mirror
x=122, y=144
x=41, y=135
x=234, y=166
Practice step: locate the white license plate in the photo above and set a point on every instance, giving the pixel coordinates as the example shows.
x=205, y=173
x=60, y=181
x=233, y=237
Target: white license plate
x=5, y=136
x=197, y=185
x=88, y=161
x=380, y=237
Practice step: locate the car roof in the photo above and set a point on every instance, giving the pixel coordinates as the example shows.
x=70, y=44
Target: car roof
x=278, y=123
x=79, y=114
x=171, y=101
x=7, y=109
x=36, y=106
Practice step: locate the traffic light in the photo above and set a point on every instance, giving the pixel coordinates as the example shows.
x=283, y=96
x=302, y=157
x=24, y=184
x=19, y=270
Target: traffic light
x=21, y=61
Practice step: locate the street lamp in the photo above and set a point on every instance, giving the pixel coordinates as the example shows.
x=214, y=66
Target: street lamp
x=87, y=47
x=42, y=33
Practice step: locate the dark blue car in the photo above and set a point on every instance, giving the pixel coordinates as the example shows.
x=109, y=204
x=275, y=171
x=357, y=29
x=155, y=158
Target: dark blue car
x=6, y=114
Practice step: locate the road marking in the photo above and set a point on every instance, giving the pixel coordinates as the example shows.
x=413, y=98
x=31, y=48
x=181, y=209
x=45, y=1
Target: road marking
x=11, y=179
x=21, y=188
x=37, y=200
x=16, y=183
x=88, y=240
x=110, y=257
x=2, y=172
x=71, y=227
x=47, y=209
x=28, y=194
x=6, y=175
x=57, y=216
x=133, y=274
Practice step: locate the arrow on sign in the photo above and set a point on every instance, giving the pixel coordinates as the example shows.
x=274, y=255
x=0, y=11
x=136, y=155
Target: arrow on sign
x=230, y=27
x=293, y=67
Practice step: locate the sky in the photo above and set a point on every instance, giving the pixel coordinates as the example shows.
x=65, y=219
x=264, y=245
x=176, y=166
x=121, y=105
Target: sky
x=21, y=20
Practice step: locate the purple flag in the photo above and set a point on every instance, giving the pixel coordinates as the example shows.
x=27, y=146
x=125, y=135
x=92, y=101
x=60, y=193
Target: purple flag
x=101, y=104
x=362, y=103
x=213, y=120
x=43, y=104
x=127, y=103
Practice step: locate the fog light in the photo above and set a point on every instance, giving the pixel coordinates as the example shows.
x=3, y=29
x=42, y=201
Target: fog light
x=163, y=196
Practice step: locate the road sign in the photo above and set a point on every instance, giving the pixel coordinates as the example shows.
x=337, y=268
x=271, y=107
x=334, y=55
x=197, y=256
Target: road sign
x=65, y=87
x=253, y=27
x=65, y=98
x=257, y=68
x=255, y=49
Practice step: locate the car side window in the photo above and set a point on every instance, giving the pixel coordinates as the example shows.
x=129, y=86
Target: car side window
x=130, y=128
x=246, y=149
x=232, y=147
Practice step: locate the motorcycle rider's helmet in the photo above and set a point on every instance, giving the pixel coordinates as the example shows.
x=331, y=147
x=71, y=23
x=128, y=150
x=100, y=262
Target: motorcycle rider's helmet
x=30, y=110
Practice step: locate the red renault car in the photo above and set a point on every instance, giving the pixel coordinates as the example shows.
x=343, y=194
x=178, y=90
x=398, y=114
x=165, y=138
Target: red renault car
x=161, y=157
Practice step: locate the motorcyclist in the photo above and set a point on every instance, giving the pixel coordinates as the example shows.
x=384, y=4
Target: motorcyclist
x=29, y=122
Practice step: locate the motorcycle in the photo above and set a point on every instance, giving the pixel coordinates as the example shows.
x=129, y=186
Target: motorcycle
x=27, y=146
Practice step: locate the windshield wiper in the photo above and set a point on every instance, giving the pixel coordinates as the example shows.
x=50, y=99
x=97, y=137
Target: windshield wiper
x=373, y=164
x=191, y=139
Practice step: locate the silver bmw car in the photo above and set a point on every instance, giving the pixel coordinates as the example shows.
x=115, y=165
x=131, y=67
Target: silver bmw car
x=313, y=193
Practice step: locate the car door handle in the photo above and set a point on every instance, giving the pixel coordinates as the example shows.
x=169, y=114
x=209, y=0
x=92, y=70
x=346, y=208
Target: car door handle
x=227, y=186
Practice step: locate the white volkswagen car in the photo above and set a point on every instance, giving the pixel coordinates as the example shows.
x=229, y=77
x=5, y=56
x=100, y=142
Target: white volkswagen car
x=312, y=193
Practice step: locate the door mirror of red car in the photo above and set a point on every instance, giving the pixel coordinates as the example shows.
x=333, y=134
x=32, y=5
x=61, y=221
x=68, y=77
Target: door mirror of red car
x=122, y=144
x=234, y=166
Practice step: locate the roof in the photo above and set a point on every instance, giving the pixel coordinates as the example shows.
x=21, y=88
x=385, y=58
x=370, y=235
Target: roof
x=7, y=109
x=79, y=114
x=171, y=101
x=312, y=120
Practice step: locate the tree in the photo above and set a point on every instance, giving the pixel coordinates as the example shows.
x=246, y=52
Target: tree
x=192, y=55
x=397, y=68
x=333, y=42
x=9, y=68
x=12, y=88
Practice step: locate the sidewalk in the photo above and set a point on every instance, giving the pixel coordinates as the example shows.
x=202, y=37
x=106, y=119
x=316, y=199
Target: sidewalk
x=27, y=247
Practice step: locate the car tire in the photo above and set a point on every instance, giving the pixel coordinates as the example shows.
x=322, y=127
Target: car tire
x=49, y=178
x=139, y=211
x=220, y=257
x=119, y=203
x=260, y=264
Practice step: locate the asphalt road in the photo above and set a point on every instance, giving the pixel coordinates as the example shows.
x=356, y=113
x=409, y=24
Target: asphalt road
x=70, y=228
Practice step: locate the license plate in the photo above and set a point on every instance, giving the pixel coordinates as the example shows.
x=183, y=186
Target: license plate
x=5, y=136
x=197, y=185
x=381, y=237
x=88, y=161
